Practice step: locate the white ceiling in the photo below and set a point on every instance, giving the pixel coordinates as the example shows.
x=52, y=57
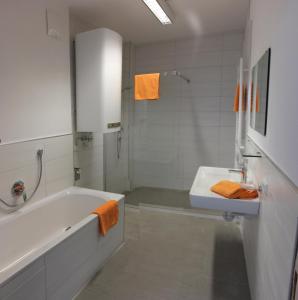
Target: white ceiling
x=133, y=20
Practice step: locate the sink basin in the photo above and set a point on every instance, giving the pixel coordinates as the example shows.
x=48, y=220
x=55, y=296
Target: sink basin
x=202, y=197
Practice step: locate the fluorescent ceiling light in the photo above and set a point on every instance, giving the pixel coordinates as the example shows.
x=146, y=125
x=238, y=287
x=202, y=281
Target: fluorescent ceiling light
x=158, y=11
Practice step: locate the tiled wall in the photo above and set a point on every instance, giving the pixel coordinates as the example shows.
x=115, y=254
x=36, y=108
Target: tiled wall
x=270, y=238
x=18, y=161
x=192, y=124
x=117, y=170
x=88, y=156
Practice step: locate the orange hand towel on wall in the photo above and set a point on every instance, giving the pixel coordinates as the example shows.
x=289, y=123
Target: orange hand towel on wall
x=233, y=190
x=147, y=86
x=251, y=97
x=237, y=98
x=107, y=216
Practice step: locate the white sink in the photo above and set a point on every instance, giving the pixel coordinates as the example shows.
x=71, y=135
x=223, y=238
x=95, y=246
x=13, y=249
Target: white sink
x=202, y=197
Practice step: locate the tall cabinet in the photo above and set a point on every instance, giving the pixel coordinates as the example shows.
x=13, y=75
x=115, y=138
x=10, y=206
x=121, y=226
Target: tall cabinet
x=98, y=80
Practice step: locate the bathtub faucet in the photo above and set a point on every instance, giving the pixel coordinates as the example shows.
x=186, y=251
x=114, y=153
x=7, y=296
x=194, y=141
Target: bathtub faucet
x=18, y=188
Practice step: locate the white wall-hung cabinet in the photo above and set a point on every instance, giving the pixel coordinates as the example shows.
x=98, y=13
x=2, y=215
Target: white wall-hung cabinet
x=98, y=80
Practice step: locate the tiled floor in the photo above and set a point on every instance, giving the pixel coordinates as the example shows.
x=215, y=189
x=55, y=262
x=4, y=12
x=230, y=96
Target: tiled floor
x=176, y=257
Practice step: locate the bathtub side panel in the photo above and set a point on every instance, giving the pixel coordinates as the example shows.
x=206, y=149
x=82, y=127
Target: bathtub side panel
x=65, y=259
x=27, y=284
x=71, y=265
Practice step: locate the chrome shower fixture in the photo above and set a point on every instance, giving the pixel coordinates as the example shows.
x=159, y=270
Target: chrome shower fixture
x=176, y=73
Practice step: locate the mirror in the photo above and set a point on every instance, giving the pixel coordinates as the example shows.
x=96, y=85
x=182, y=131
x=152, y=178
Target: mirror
x=260, y=91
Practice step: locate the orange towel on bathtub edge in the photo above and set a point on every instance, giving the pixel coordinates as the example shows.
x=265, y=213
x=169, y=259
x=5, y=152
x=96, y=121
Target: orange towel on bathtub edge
x=233, y=190
x=108, y=215
x=147, y=86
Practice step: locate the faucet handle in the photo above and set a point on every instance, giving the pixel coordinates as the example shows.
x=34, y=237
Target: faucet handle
x=18, y=188
x=258, y=154
x=235, y=170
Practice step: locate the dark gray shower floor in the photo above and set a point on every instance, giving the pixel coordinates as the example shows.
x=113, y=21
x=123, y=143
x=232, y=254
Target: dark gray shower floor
x=166, y=198
x=158, y=196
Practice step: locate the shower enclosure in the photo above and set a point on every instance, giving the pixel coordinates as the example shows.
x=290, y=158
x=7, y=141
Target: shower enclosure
x=162, y=143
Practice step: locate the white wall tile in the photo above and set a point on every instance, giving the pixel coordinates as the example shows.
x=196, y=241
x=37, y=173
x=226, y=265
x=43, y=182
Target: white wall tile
x=203, y=74
x=202, y=90
x=15, y=156
x=202, y=59
x=198, y=118
x=59, y=168
x=202, y=44
x=60, y=184
x=233, y=41
x=229, y=73
x=226, y=104
x=231, y=58
x=58, y=146
x=198, y=104
x=227, y=119
x=19, y=162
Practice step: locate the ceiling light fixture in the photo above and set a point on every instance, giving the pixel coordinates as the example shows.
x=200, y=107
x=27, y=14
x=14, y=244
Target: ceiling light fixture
x=158, y=8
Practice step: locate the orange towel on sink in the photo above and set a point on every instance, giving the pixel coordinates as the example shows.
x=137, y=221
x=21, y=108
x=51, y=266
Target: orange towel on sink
x=147, y=86
x=107, y=216
x=233, y=190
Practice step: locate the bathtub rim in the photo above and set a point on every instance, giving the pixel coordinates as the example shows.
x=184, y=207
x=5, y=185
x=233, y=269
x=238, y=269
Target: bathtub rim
x=13, y=269
x=73, y=190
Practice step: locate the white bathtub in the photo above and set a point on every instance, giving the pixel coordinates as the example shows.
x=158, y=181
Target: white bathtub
x=52, y=248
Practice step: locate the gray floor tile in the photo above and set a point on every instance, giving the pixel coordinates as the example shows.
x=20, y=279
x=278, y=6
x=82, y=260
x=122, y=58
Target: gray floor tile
x=170, y=256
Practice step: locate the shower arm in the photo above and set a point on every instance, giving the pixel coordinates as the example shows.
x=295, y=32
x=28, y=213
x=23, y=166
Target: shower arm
x=177, y=73
x=184, y=77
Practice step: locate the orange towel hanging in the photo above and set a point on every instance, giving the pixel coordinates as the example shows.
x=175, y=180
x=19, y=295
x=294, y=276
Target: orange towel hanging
x=108, y=215
x=147, y=86
x=237, y=98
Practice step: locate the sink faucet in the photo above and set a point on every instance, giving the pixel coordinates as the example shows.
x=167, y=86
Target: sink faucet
x=242, y=171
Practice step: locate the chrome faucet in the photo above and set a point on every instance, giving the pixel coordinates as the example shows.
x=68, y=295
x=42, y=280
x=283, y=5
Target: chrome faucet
x=242, y=171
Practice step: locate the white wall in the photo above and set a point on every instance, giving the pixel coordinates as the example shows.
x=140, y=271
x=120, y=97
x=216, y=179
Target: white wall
x=270, y=239
x=34, y=76
x=35, y=88
x=192, y=124
x=275, y=25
